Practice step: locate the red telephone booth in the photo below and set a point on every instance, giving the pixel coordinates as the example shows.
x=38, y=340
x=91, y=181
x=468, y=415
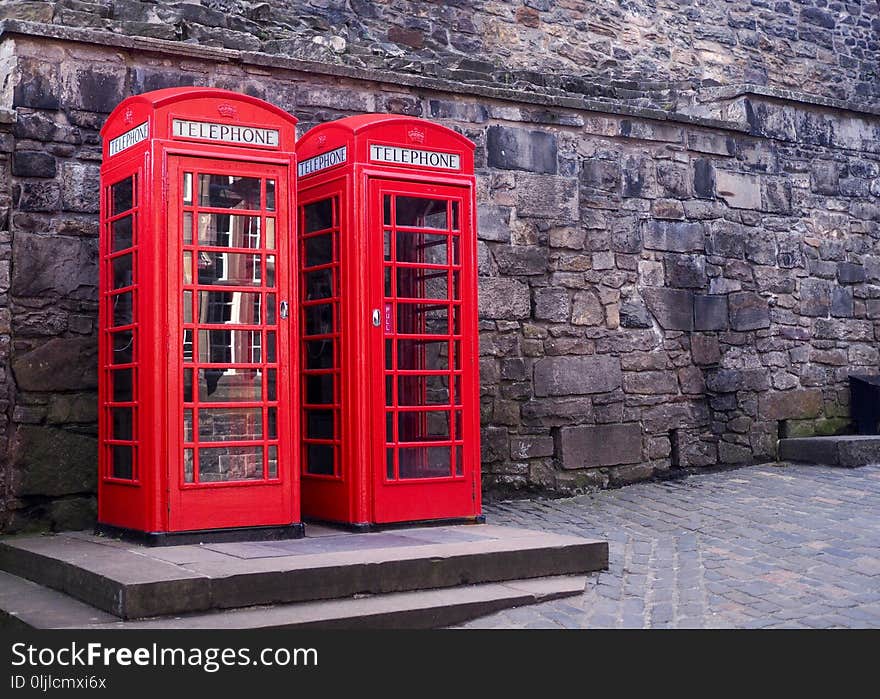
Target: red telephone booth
x=387, y=289
x=197, y=430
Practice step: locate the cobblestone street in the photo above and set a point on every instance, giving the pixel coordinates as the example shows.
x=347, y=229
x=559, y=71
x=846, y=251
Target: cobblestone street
x=763, y=546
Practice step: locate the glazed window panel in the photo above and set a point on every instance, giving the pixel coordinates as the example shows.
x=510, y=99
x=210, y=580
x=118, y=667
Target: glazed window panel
x=122, y=196
x=229, y=231
x=228, y=192
x=122, y=234
x=230, y=424
x=223, y=464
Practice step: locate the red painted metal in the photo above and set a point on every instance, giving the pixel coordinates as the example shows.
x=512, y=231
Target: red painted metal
x=196, y=423
x=387, y=238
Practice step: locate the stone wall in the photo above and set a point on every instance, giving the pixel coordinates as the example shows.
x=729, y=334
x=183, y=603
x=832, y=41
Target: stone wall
x=658, y=290
x=653, y=52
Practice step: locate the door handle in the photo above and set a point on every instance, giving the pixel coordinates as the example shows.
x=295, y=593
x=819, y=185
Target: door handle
x=377, y=318
x=283, y=310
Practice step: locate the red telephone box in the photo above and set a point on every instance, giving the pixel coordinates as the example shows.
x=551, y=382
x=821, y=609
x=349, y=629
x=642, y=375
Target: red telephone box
x=197, y=430
x=387, y=288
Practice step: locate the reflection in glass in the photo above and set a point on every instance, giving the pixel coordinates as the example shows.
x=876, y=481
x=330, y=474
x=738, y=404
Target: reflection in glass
x=425, y=462
x=188, y=476
x=187, y=189
x=187, y=228
x=122, y=234
x=228, y=269
x=270, y=309
x=229, y=346
x=270, y=271
x=229, y=307
x=187, y=307
x=422, y=319
x=123, y=313
x=187, y=344
x=459, y=461
x=122, y=194
x=187, y=267
x=270, y=233
x=230, y=386
x=122, y=458
x=230, y=424
x=319, y=424
x=455, y=224
x=319, y=354
x=123, y=347
x=319, y=319
x=220, y=464
x=188, y=425
x=229, y=230
x=319, y=389
x=318, y=250
x=270, y=347
x=423, y=354
x=318, y=216
x=418, y=283
x=430, y=426
x=271, y=389
x=318, y=284
x=273, y=461
x=122, y=271
x=122, y=423
x=272, y=423
x=421, y=213
x=187, y=385
x=389, y=464
x=319, y=459
x=123, y=385
x=227, y=192
x=270, y=195
x=423, y=248
x=423, y=390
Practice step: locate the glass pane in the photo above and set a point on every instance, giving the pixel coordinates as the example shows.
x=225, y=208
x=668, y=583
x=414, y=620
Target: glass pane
x=270, y=233
x=270, y=347
x=122, y=194
x=423, y=390
x=319, y=319
x=423, y=427
x=230, y=346
x=319, y=389
x=229, y=269
x=318, y=285
x=122, y=420
x=123, y=313
x=123, y=385
x=271, y=379
x=229, y=230
x=319, y=354
x=187, y=385
x=423, y=248
x=272, y=426
x=318, y=216
x=389, y=463
x=386, y=245
x=422, y=213
x=230, y=424
x=187, y=267
x=270, y=271
x=389, y=390
x=187, y=345
x=455, y=218
x=318, y=251
x=123, y=274
x=417, y=283
x=229, y=307
x=187, y=228
x=122, y=457
x=389, y=427
x=188, y=466
x=122, y=234
x=230, y=386
x=422, y=319
x=219, y=464
x=187, y=189
x=187, y=307
x=188, y=425
x=227, y=192
x=425, y=462
x=388, y=277
x=123, y=347
x=458, y=396
x=270, y=309
x=431, y=355
x=459, y=461
x=273, y=462
x=386, y=209
x=458, y=424
x=456, y=256
x=319, y=459
x=389, y=354
x=270, y=195
x=319, y=424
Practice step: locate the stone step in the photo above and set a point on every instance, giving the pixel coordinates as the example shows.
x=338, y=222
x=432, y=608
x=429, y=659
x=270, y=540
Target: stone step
x=131, y=581
x=26, y=605
x=847, y=451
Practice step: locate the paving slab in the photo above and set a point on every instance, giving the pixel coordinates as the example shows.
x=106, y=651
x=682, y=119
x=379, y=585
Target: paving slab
x=135, y=582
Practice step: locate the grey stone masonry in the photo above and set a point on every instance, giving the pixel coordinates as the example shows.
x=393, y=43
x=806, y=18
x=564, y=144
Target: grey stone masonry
x=678, y=256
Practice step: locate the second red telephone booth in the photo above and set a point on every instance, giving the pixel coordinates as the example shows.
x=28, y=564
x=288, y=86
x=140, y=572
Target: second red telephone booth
x=388, y=338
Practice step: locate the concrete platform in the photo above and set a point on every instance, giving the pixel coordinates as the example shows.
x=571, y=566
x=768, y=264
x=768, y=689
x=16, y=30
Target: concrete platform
x=113, y=580
x=847, y=451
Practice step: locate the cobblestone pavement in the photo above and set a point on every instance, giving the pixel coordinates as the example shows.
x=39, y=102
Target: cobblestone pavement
x=762, y=546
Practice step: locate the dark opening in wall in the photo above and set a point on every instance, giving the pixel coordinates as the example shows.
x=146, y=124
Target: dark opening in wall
x=675, y=449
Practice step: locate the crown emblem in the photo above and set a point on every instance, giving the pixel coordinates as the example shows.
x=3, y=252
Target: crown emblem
x=226, y=110
x=416, y=135
x=128, y=115
x=322, y=139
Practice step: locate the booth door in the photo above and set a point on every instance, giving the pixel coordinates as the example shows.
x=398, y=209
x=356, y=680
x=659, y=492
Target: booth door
x=230, y=464
x=426, y=398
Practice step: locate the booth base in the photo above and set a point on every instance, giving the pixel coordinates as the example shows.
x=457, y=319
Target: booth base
x=206, y=536
x=414, y=578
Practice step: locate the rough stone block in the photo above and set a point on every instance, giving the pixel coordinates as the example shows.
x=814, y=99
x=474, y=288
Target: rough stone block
x=79, y=187
x=600, y=174
x=58, y=265
x=748, y=311
x=521, y=259
x=493, y=223
x=576, y=375
x=650, y=382
x=95, y=88
x=38, y=85
x=710, y=312
x=739, y=190
x=27, y=163
x=673, y=236
x=61, y=364
x=850, y=273
x=788, y=405
x=546, y=196
x=686, y=271
x=517, y=149
x=704, y=179
x=673, y=308
x=842, y=302
x=530, y=446
x=553, y=305
x=592, y=446
x=705, y=349
x=587, y=309
x=53, y=462
x=815, y=297
x=504, y=298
